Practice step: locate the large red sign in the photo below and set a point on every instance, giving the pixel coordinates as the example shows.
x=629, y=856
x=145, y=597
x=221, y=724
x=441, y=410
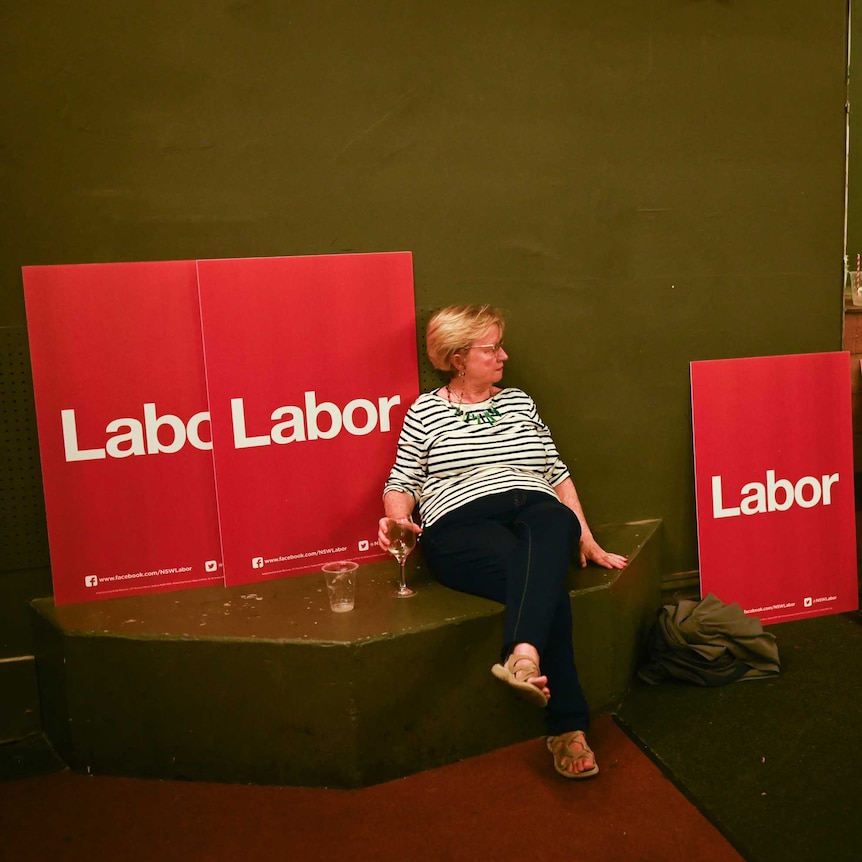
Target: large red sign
x=124, y=432
x=311, y=366
x=308, y=369
x=774, y=484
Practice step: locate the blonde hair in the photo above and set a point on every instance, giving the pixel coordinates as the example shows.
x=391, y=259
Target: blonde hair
x=451, y=329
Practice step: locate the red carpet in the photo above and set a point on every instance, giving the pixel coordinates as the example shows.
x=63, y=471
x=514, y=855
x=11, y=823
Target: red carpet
x=507, y=805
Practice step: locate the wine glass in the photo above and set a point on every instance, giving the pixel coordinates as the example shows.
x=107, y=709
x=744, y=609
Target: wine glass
x=402, y=540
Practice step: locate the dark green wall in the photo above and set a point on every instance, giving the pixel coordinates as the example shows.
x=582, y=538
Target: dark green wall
x=639, y=184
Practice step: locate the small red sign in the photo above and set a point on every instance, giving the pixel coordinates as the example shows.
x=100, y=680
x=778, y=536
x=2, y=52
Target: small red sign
x=774, y=484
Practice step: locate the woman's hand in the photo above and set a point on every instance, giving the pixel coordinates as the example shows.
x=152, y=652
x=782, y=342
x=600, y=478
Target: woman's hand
x=589, y=549
x=383, y=530
x=592, y=551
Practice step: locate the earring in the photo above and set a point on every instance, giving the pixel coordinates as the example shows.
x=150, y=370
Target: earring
x=462, y=373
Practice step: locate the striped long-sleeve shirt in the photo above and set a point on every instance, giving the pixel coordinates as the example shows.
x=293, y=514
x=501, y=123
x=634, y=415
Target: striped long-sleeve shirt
x=445, y=460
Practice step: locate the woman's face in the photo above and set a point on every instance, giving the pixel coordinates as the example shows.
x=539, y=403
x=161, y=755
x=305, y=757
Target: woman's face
x=483, y=365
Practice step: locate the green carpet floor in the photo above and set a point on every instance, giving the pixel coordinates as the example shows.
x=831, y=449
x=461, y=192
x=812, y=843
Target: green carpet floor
x=775, y=764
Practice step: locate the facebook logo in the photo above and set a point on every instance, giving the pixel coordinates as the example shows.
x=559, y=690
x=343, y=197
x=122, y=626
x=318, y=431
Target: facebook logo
x=257, y=562
x=91, y=581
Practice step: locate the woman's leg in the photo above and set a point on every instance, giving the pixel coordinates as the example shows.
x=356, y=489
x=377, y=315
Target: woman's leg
x=515, y=548
x=567, y=709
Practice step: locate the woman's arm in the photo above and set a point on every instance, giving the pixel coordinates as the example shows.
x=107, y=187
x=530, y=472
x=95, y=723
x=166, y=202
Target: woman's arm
x=589, y=548
x=398, y=504
x=407, y=476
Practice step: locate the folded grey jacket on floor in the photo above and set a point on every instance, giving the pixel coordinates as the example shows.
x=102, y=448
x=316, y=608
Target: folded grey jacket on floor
x=708, y=643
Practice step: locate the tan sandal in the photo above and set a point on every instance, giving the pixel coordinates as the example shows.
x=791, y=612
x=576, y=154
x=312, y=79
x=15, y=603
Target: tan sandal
x=515, y=673
x=561, y=747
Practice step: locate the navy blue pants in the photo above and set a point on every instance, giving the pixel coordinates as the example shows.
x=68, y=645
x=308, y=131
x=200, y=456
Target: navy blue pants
x=515, y=548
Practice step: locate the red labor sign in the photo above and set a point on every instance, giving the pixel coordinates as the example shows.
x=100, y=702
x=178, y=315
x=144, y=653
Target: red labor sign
x=311, y=366
x=774, y=484
x=124, y=432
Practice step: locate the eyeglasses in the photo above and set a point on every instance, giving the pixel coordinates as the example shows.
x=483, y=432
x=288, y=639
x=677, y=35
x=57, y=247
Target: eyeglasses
x=488, y=348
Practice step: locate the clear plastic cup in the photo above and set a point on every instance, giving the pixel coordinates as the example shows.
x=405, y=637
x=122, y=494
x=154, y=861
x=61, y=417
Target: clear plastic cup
x=341, y=585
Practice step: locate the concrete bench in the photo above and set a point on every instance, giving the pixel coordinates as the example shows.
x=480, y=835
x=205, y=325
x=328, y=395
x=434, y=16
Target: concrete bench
x=264, y=684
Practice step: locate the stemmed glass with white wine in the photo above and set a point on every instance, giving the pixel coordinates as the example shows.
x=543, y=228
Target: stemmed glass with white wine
x=402, y=540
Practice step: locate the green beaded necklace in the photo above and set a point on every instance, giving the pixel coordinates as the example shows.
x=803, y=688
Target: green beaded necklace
x=488, y=416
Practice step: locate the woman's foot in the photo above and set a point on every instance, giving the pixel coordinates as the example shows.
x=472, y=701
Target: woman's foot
x=521, y=672
x=573, y=758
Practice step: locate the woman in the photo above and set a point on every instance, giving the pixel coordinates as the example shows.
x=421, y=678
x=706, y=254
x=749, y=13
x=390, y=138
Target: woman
x=500, y=516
